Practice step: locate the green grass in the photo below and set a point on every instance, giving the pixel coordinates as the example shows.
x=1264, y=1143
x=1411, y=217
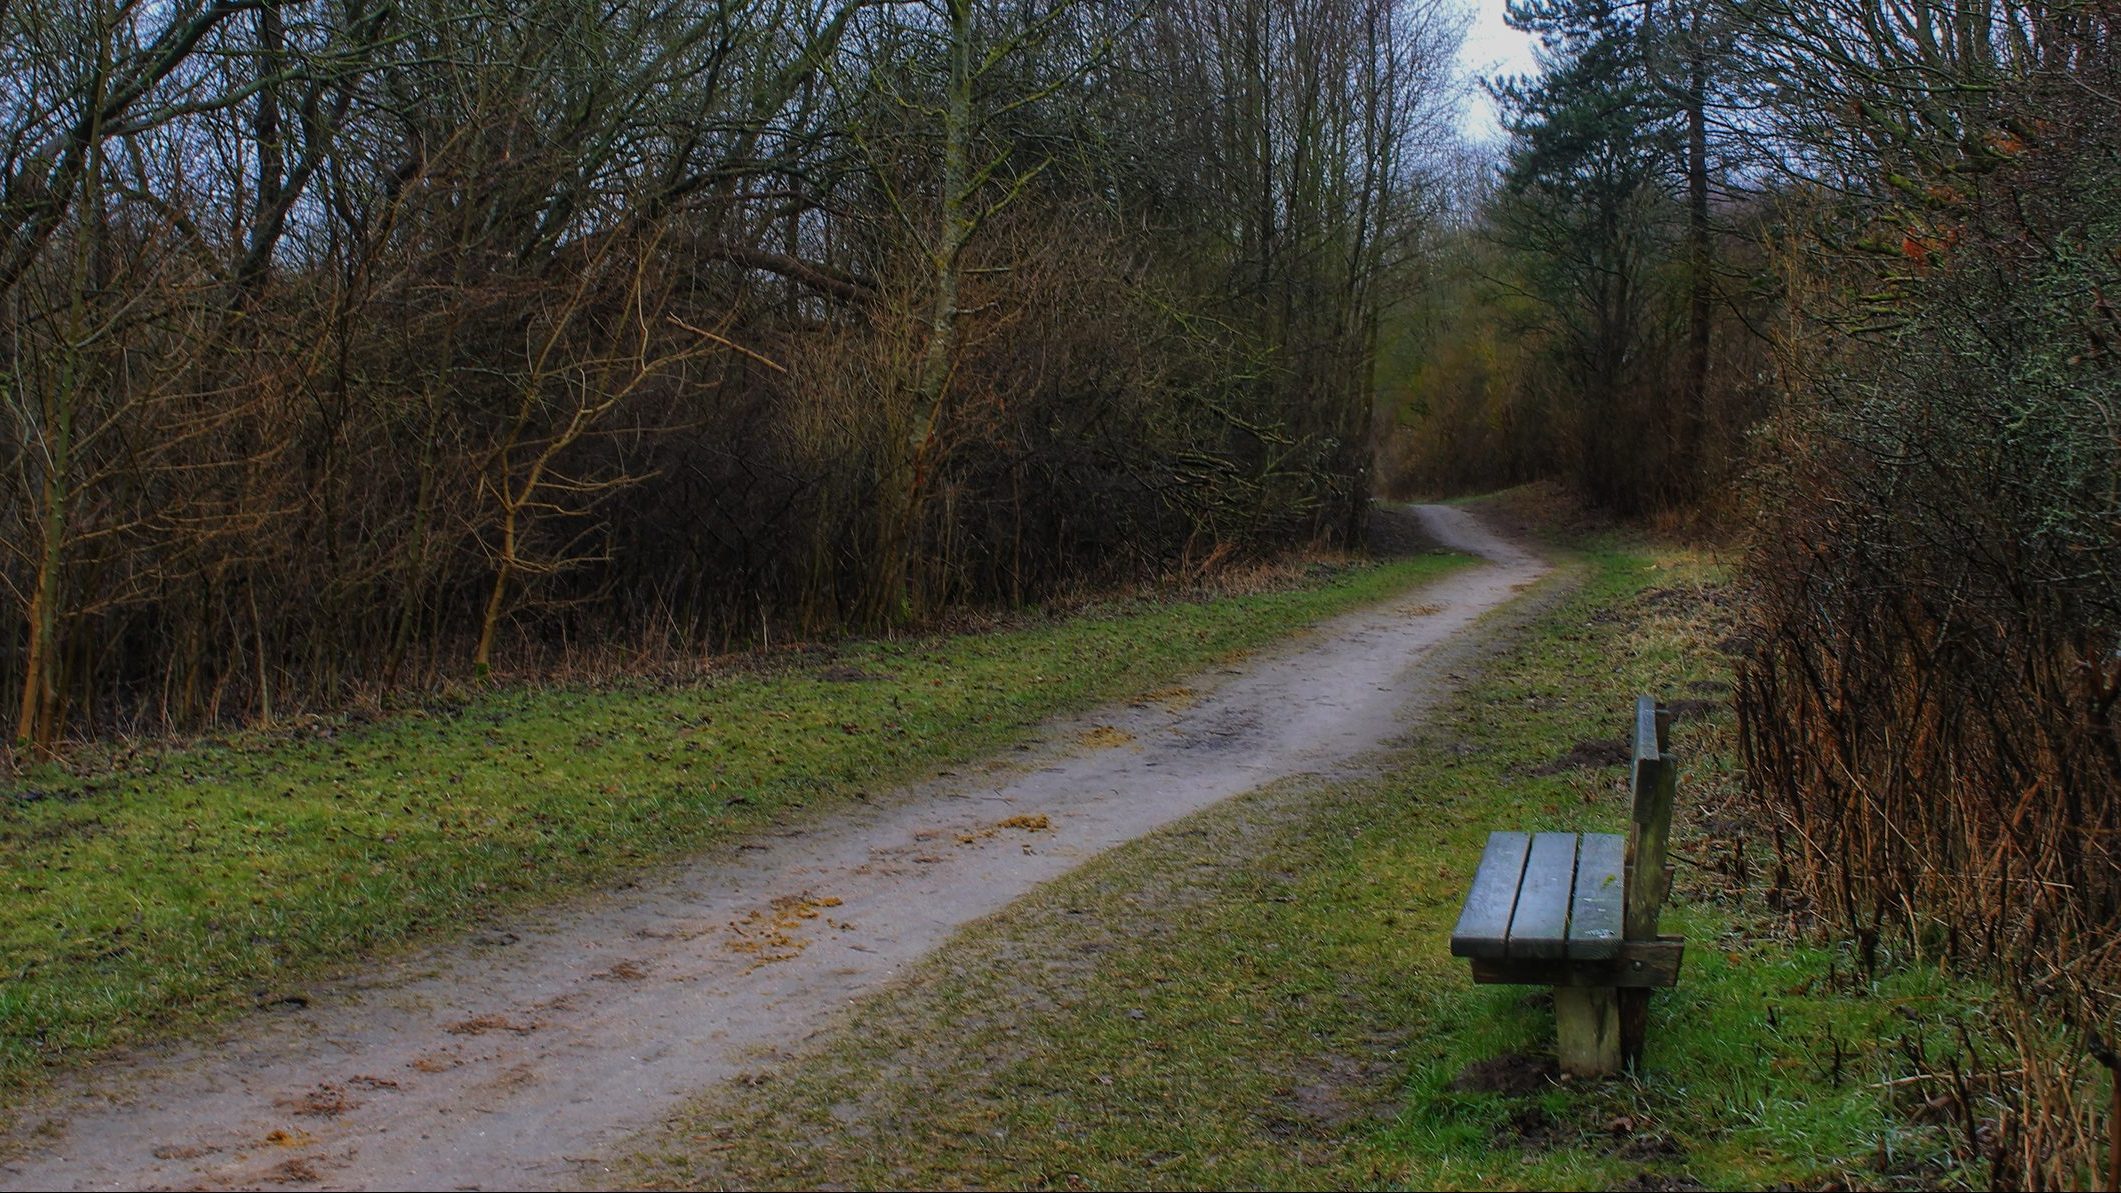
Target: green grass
x=1261, y=997
x=187, y=884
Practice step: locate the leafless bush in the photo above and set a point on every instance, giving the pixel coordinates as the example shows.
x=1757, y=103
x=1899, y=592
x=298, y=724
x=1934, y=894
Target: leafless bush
x=1929, y=695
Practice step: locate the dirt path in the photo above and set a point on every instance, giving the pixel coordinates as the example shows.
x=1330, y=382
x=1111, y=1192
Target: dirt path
x=515, y=1060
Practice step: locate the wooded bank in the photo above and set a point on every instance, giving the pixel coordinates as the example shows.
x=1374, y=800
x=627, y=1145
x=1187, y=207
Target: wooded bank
x=348, y=346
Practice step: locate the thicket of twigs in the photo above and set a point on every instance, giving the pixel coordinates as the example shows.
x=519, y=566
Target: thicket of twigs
x=349, y=346
x=1930, y=697
x=1846, y=273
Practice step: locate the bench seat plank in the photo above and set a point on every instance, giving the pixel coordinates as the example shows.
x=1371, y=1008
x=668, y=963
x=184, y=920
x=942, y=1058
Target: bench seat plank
x=1484, y=924
x=1595, y=909
x=1539, y=930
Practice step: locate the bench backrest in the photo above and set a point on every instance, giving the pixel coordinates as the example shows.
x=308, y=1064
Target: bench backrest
x=1655, y=781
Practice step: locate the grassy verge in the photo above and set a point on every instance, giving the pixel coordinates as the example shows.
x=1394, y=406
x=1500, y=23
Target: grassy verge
x=1260, y=996
x=187, y=884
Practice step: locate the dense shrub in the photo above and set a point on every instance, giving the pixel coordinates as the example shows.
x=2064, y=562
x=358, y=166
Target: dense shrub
x=1929, y=699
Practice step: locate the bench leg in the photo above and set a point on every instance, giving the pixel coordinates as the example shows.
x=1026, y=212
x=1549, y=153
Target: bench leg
x=1587, y=1029
x=1634, y=1027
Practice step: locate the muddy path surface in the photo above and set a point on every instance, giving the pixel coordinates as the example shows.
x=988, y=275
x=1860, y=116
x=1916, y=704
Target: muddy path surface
x=517, y=1057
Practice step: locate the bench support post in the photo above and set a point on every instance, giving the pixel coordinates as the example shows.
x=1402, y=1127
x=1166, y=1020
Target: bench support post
x=1656, y=779
x=1587, y=1030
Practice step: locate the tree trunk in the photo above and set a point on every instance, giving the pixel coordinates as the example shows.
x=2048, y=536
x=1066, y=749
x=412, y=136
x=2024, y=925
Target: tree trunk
x=36, y=724
x=912, y=459
x=1693, y=419
x=496, y=601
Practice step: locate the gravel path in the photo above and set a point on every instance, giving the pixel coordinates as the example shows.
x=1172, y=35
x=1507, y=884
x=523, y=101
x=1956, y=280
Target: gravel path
x=517, y=1058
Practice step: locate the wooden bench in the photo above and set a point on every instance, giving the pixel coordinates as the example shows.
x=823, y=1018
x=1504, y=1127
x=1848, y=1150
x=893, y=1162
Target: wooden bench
x=1578, y=912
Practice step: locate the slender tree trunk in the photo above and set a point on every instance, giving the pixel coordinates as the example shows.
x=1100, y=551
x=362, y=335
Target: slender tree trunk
x=900, y=508
x=1701, y=281
x=496, y=601
x=40, y=697
x=36, y=724
x=414, y=567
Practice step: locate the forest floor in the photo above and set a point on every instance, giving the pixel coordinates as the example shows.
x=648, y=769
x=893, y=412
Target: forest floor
x=528, y=1054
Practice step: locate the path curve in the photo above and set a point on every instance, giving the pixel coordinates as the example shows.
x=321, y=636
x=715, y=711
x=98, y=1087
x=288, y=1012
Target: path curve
x=518, y=1058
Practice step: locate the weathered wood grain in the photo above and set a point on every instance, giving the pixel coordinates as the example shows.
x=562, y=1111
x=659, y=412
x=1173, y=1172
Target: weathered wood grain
x=1587, y=1031
x=1539, y=931
x=1484, y=924
x=1597, y=903
x=1642, y=965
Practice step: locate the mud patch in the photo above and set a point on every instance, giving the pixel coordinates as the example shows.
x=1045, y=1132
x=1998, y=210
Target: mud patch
x=85, y=829
x=282, y=1137
x=1588, y=755
x=768, y=935
x=1331, y=1094
x=841, y=673
x=1510, y=1073
x=1654, y=1145
x=624, y=971
x=479, y=1025
x=1735, y=646
x=509, y=1080
x=1218, y=732
x=1105, y=737
x=1039, y=823
x=1691, y=710
x=1529, y=1129
x=298, y=1171
x=435, y=1062
x=324, y=1100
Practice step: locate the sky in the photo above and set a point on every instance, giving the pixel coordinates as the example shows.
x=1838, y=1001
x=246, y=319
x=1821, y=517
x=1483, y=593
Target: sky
x=1491, y=48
